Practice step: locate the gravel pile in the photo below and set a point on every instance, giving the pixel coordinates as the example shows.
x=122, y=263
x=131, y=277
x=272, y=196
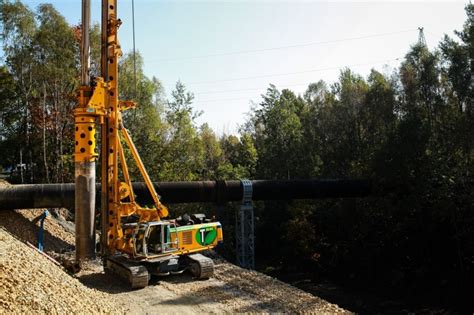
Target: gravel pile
x=31, y=283
x=19, y=223
x=56, y=237
x=241, y=291
x=271, y=292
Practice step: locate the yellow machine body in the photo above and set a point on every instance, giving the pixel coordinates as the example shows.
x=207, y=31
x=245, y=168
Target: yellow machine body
x=197, y=237
x=125, y=223
x=161, y=238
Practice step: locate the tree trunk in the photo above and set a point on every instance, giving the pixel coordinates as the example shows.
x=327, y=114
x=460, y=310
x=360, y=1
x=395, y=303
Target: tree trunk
x=45, y=159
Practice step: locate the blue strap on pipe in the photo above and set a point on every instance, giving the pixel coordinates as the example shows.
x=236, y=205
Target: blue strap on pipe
x=41, y=230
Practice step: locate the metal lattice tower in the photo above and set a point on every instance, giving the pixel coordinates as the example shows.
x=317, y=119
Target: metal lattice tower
x=244, y=229
x=421, y=37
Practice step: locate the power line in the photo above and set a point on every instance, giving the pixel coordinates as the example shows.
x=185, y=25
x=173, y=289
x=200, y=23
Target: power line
x=285, y=85
x=230, y=91
x=283, y=47
x=226, y=100
x=292, y=73
x=244, y=90
x=436, y=36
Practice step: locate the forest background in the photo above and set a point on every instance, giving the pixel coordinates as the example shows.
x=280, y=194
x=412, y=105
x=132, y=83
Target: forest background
x=410, y=132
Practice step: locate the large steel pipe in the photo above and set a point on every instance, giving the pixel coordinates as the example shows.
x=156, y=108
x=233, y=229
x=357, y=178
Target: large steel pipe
x=84, y=166
x=62, y=195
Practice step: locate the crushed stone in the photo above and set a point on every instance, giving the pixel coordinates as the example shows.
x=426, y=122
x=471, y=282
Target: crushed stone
x=29, y=282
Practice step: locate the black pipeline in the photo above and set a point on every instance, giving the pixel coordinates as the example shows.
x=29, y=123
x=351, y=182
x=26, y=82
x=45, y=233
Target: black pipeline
x=62, y=195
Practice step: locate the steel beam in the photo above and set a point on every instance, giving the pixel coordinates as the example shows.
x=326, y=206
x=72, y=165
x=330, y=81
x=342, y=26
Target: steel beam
x=244, y=229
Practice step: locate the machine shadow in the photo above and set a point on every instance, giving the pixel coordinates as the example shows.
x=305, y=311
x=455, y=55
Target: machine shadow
x=104, y=282
x=109, y=283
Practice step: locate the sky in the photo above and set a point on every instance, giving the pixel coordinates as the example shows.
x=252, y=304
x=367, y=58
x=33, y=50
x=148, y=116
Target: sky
x=228, y=52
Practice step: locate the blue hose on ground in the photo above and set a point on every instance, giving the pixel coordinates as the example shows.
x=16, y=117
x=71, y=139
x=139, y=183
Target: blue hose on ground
x=41, y=230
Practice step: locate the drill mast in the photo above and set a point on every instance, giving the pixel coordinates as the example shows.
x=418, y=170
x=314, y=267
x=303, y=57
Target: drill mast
x=98, y=104
x=135, y=240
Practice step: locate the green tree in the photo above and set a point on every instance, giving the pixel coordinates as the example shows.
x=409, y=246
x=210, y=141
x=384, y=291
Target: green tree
x=240, y=157
x=212, y=153
x=145, y=123
x=18, y=29
x=10, y=118
x=183, y=151
x=58, y=66
x=278, y=134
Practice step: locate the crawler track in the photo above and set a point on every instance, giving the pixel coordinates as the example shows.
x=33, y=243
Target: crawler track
x=134, y=274
x=201, y=266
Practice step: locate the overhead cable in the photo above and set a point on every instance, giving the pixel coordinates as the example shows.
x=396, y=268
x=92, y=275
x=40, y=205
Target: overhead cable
x=283, y=47
x=292, y=73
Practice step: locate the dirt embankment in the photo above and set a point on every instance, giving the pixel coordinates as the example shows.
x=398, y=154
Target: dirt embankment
x=30, y=282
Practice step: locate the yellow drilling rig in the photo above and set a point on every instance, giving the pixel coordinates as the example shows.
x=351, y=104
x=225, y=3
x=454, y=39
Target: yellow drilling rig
x=135, y=241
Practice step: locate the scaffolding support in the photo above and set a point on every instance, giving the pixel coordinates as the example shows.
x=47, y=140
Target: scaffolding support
x=244, y=228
